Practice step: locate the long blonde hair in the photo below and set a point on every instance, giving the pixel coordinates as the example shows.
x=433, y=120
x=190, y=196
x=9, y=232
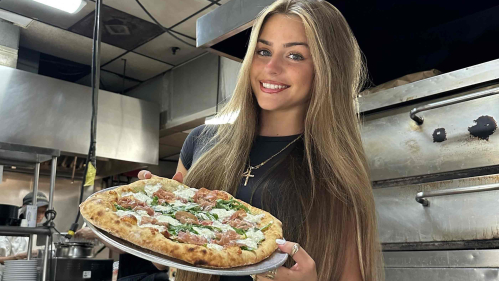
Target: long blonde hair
x=330, y=181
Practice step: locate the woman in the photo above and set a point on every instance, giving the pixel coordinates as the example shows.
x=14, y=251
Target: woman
x=294, y=148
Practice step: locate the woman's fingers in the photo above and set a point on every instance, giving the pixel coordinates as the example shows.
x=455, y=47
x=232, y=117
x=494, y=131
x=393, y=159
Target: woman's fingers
x=144, y=175
x=178, y=177
x=282, y=273
x=301, y=257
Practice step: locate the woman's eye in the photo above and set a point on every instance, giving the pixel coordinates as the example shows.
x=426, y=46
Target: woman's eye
x=264, y=53
x=295, y=56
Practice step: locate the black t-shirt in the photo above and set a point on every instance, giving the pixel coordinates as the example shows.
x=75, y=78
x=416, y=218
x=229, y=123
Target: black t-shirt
x=262, y=149
x=133, y=268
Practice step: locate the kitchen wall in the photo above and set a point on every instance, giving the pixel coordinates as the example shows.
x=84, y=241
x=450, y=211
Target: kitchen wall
x=14, y=186
x=190, y=88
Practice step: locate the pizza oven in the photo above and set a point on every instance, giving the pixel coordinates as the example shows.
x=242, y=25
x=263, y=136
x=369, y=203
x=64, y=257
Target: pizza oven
x=433, y=152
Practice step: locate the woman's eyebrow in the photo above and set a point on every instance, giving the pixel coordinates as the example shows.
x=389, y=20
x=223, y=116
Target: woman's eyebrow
x=287, y=45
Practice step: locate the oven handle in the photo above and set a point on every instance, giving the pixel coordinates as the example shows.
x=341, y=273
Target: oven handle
x=421, y=197
x=477, y=95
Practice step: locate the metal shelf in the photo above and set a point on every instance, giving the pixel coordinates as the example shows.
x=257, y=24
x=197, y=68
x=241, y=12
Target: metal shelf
x=24, y=155
x=23, y=231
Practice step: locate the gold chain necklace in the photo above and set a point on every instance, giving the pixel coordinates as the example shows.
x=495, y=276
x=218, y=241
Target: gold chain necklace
x=247, y=174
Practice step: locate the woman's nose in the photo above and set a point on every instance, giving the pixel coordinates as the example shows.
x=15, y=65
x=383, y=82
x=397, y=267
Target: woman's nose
x=274, y=65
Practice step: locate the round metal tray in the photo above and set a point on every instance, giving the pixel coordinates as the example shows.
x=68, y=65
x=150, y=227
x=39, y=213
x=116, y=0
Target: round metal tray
x=275, y=260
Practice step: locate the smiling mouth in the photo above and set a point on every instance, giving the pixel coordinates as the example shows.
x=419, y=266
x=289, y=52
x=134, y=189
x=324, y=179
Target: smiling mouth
x=272, y=88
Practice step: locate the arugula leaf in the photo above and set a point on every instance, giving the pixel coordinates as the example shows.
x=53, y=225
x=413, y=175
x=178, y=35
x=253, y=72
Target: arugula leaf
x=118, y=207
x=246, y=248
x=212, y=228
x=266, y=227
x=231, y=204
x=210, y=216
x=175, y=229
x=155, y=201
x=240, y=231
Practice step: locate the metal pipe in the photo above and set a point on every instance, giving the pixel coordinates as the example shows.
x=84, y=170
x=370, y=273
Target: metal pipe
x=96, y=44
x=481, y=94
x=53, y=168
x=33, y=202
x=23, y=231
x=421, y=196
x=124, y=75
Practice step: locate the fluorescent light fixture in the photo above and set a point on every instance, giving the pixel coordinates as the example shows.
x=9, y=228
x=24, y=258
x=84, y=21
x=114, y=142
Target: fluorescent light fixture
x=225, y=119
x=70, y=6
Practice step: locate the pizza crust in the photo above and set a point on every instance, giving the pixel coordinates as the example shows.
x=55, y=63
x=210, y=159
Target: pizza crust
x=99, y=210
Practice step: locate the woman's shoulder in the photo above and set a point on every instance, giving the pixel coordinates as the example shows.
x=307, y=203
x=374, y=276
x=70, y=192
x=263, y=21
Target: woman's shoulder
x=203, y=131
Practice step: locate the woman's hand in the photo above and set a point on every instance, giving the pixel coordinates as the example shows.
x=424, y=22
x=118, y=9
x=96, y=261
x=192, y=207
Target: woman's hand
x=303, y=270
x=145, y=174
x=86, y=233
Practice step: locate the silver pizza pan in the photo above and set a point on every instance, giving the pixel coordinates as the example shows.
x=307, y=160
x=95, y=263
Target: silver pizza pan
x=275, y=260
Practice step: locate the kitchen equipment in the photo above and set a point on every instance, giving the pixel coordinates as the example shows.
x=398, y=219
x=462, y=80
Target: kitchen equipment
x=77, y=269
x=274, y=261
x=9, y=215
x=25, y=270
x=73, y=250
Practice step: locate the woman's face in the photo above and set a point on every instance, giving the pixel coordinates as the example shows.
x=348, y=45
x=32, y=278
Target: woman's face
x=282, y=69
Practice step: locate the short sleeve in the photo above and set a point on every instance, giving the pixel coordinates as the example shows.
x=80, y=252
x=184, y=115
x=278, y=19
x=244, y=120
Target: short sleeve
x=187, y=152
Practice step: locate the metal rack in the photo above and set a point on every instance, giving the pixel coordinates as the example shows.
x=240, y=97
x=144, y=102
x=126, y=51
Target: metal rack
x=24, y=155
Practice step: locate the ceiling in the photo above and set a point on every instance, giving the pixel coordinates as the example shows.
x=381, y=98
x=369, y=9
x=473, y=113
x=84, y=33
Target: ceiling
x=129, y=35
x=399, y=37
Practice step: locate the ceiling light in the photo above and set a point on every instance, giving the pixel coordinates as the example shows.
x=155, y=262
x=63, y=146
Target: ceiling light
x=70, y=6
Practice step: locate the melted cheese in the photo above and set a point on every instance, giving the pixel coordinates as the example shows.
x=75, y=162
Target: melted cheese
x=178, y=203
x=254, y=218
x=150, y=189
x=254, y=238
x=139, y=196
x=122, y=213
x=223, y=227
x=206, y=233
x=168, y=219
x=160, y=208
x=142, y=213
x=158, y=227
x=222, y=213
x=186, y=193
x=215, y=247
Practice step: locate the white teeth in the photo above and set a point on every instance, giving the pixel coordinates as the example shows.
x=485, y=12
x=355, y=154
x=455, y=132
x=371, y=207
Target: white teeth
x=273, y=86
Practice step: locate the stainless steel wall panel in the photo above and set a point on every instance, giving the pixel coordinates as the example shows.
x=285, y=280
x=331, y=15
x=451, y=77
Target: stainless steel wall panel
x=442, y=259
x=41, y=111
x=434, y=85
x=449, y=218
x=442, y=274
x=195, y=86
x=397, y=147
x=227, y=20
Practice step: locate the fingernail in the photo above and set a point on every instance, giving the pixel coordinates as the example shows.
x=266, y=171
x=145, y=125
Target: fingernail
x=280, y=241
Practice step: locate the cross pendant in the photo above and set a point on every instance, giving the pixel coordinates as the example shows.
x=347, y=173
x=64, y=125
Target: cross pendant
x=248, y=175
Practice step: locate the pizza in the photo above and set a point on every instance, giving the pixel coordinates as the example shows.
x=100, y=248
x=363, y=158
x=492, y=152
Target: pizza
x=208, y=228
